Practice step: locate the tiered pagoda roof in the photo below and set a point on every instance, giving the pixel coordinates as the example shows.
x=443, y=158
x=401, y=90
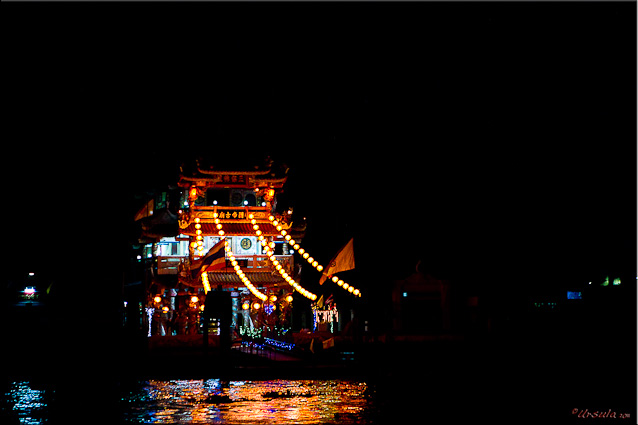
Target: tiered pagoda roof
x=257, y=176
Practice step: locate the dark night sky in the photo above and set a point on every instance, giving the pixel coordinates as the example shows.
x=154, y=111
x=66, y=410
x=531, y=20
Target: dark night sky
x=501, y=135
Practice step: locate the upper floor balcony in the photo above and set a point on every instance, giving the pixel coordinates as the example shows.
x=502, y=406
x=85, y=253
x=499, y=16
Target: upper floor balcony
x=173, y=265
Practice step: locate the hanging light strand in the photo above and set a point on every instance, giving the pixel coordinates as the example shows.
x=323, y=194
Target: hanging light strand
x=233, y=261
x=306, y=256
x=205, y=282
x=271, y=256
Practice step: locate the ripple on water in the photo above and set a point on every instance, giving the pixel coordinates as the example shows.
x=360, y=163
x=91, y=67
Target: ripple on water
x=243, y=402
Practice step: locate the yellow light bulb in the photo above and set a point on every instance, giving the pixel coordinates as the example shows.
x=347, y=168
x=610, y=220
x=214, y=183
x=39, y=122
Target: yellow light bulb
x=194, y=299
x=306, y=255
x=356, y=292
x=271, y=218
x=157, y=299
x=296, y=246
x=319, y=267
x=310, y=260
x=221, y=233
x=335, y=279
x=350, y=289
x=284, y=233
x=197, y=220
x=289, y=298
x=345, y=286
x=340, y=282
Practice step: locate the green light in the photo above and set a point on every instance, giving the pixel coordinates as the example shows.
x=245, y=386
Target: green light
x=605, y=282
x=617, y=281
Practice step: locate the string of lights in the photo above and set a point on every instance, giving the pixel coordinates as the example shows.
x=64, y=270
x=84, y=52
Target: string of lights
x=271, y=256
x=205, y=282
x=199, y=244
x=235, y=264
x=314, y=263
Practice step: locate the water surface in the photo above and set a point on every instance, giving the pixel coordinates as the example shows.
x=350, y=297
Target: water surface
x=243, y=402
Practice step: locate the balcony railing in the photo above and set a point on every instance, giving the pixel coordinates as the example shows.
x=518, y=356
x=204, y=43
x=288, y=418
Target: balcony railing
x=262, y=262
x=172, y=265
x=169, y=265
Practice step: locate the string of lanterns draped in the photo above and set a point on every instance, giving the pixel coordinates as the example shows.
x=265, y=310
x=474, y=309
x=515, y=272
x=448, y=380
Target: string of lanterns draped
x=271, y=256
x=235, y=264
x=314, y=263
x=295, y=246
x=205, y=282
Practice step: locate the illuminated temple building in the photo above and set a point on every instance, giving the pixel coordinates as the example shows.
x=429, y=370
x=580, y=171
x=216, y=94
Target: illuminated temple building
x=233, y=209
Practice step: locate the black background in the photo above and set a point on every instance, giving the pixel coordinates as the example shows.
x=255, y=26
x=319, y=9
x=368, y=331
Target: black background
x=495, y=142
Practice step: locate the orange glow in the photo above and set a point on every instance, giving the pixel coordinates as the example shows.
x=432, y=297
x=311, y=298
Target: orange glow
x=301, y=402
x=157, y=299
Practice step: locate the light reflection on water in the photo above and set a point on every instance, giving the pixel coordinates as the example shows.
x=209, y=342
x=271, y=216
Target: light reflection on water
x=25, y=403
x=242, y=402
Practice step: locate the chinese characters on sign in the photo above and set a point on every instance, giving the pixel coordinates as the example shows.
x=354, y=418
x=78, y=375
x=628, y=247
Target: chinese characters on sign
x=225, y=178
x=231, y=214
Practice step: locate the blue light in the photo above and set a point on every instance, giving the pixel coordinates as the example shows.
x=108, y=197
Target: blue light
x=574, y=295
x=279, y=344
x=405, y=294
